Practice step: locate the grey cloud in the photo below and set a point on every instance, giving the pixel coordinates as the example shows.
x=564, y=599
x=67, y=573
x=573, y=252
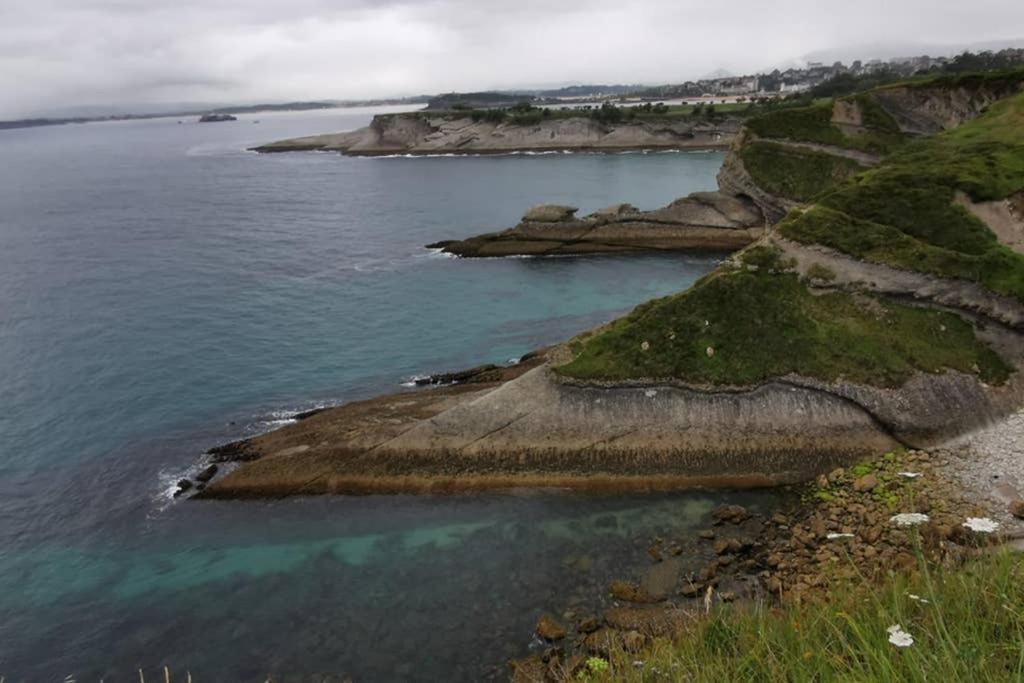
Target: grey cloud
x=124, y=53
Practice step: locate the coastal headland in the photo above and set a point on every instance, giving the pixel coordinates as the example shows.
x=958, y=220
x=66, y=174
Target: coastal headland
x=426, y=133
x=882, y=306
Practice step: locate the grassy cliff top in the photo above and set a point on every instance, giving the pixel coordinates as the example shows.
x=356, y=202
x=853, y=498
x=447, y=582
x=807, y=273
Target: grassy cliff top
x=903, y=213
x=879, y=132
x=748, y=323
x=741, y=327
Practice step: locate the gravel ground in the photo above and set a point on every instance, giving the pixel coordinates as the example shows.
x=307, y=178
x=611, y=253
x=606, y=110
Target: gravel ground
x=989, y=463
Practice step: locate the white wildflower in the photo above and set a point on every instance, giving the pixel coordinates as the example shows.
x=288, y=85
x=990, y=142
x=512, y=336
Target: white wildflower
x=909, y=519
x=899, y=637
x=834, y=536
x=918, y=598
x=982, y=525
x=910, y=475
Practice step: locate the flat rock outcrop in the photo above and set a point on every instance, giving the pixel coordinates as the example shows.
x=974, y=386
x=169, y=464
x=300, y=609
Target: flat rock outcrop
x=703, y=221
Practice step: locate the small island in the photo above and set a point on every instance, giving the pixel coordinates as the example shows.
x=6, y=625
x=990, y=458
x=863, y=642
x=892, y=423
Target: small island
x=216, y=118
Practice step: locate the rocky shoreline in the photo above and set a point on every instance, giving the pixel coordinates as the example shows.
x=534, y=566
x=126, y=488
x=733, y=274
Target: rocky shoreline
x=422, y=133
x=849, y=524
x=703, y=221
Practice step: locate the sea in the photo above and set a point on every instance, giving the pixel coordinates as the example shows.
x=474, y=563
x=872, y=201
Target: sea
x=164, y=290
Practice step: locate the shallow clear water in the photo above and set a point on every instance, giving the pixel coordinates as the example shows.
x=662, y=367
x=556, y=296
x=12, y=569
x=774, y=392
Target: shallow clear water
x=162, y=291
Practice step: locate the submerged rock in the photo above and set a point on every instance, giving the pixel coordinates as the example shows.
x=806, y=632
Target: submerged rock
x=206, y=474
x=184, y=485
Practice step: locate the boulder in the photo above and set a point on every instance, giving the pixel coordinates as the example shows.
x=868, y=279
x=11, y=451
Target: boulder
x=183, y=486
x=549, y=629
x=206, y=474
x=628, y=592
x=730, y=513
x=865, y=483
x=550, y=213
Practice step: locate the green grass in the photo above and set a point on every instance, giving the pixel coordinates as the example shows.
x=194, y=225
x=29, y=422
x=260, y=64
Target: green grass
x=795, y=173
x=1001, y=81
x=971, y=629
x=902, y=213
x=762, y=324
x=814, y=124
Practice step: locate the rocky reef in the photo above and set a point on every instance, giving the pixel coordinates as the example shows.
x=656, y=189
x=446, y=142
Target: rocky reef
x=882, y=306
x=431, y=133
x=704, y=221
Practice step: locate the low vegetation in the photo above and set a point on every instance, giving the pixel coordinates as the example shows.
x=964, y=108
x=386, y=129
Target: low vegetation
x=957, y=624
x=795, y=173
x=743, y=326
x=903, y=213
x=879, y=135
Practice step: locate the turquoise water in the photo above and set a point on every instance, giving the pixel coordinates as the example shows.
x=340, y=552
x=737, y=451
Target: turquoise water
x=162, y=291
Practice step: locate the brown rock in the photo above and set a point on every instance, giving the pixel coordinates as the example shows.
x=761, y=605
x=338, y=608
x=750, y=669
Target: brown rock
x=730, y=513
x=706, y=534
x=865, y=483
x=588, y=624
x=727, y=545
x=549, y=629
x=628, y=592
x=1016, y=508
x=708, y=572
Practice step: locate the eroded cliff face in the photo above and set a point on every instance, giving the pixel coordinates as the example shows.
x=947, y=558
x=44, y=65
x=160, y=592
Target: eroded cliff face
x=425, y=134
x=931, y=110
x=735, y=181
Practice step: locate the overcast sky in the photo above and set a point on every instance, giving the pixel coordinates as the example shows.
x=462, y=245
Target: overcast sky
x=133, y=53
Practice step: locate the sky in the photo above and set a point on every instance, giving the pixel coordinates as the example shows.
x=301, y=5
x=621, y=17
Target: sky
x=130, y=55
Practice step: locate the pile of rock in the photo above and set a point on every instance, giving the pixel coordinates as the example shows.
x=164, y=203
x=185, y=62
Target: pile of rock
x=847, y=525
